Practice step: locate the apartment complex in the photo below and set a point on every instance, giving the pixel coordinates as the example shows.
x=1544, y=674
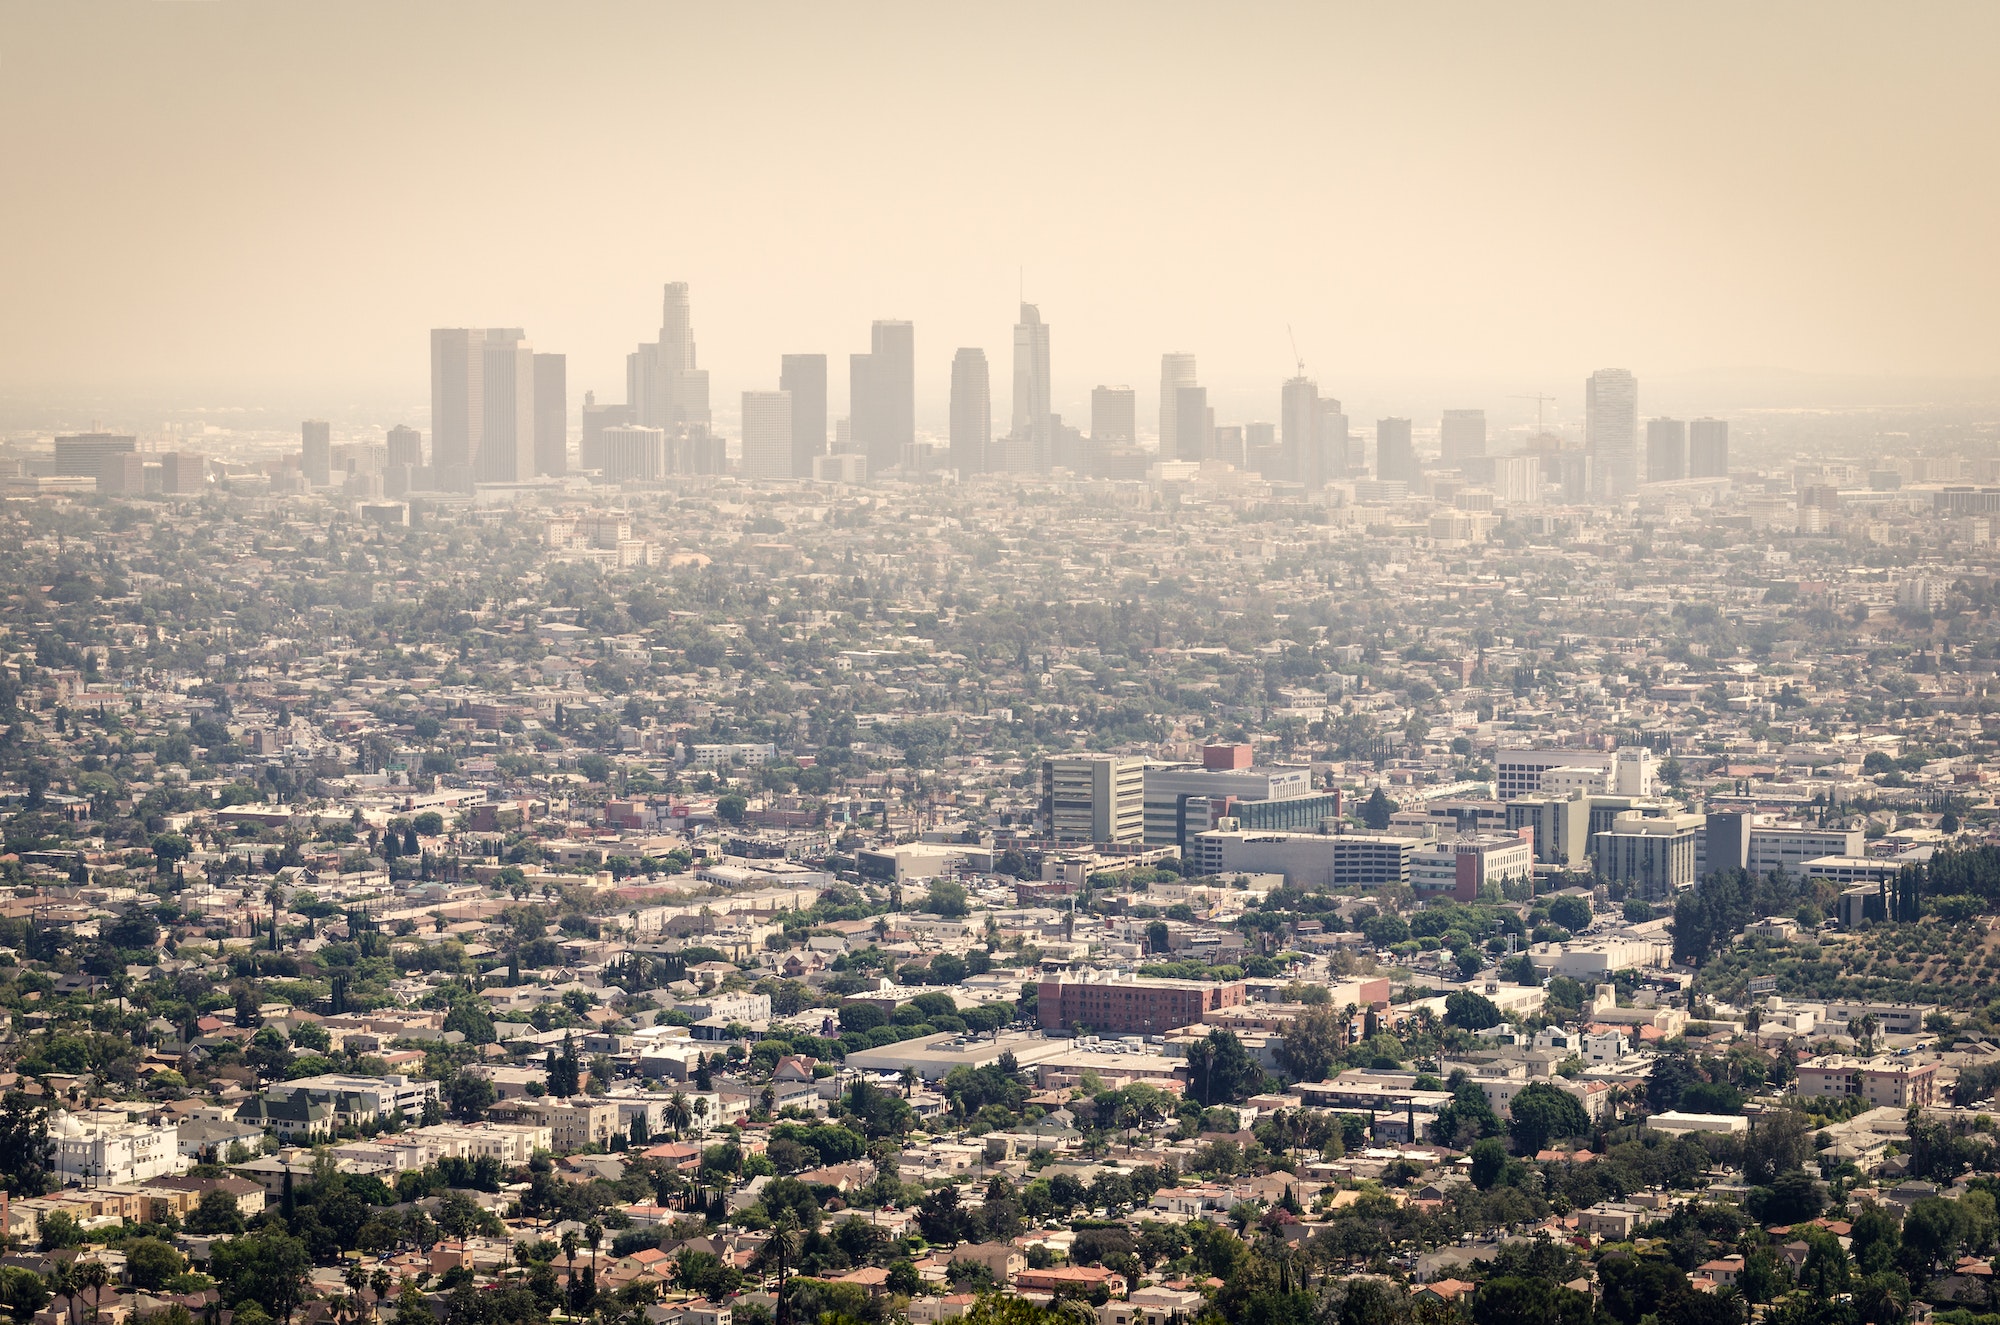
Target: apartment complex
x=1132, y=1005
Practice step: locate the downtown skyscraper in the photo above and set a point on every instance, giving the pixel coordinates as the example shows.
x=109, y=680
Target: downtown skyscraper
x=1031, y=440
x=882, y=395
x=1176, y=371
x=1611, y=431
x=460, y=358
x=971, y=412
x=1299, y=434
x=804, y=376
x=664, y=386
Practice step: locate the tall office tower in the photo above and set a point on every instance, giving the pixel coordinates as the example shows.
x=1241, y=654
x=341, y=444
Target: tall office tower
x=506, y=451
x=1611, y=430
x=663, y=384
x=92, y=454
x=1666, y=450
x=882, y=387
x=1336, y=448
x=1031, y=438
x=1095, y=798
x=1225, y=443
x=596, y=418
x=632, y=452
x=767, y=436
x=1191, y=422
x=551, y=414
x=183, y=473
x=405, y=446
x=1708, y=448
x=861, y=409
x=1395, y=454
x=804, y=375
x=971, y=412
x=1299, y=419
x=1461, y=437
x=1176, y=371
x=882, y=395
x=1114, y=416
x=1262, y=455
x=316, y=454
x=458, y=398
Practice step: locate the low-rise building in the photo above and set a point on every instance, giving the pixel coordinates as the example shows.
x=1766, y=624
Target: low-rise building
x=1882, y=1082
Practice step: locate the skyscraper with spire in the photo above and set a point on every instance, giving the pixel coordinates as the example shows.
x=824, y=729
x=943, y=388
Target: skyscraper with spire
x=664, y=385
x=1030, y=443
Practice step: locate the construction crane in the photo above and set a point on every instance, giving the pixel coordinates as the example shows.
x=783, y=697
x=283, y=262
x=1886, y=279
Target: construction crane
x=1539, y=400
x=1295, y=350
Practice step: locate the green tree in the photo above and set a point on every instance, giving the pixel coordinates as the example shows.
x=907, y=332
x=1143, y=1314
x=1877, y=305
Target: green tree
x=1316, y=1036
x=1470, y=1011
x=1220, y=1069
x=22, y=1293
x=27, y=1155
x=1572, y=913
x=947, y=899
x=1508, y=1300
x=1378, y=811
x=150, y=1262
x=1781, y=1143
x=271, y=1268
x=1489, y=1162
x=217, y=1213
x=1542, y=1112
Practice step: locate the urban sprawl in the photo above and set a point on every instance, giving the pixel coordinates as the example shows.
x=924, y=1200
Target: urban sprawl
x=577, y=864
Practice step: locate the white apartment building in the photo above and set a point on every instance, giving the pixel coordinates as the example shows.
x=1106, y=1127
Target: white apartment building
x=105, y=1149
x=744, y=1007
x=723, y=756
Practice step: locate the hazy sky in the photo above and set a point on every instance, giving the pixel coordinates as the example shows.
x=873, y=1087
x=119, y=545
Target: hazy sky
x=244, y=196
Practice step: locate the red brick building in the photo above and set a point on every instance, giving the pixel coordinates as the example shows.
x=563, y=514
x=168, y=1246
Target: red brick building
x=1132, y=1006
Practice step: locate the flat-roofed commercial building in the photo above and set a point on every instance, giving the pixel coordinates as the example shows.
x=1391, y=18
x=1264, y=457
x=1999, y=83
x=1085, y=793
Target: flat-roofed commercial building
x=1185, y=799
x=1308, y=860
x=935, y=1056
x=1656, y=854
x=1519, y=772
x=1094, y=798
x=1785, y=848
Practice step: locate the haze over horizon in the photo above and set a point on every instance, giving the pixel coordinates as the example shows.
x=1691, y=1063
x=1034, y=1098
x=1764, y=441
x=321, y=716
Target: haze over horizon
x=1432, y=195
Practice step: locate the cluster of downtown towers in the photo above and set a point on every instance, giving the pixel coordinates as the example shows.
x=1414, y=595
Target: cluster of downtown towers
x=499, y=414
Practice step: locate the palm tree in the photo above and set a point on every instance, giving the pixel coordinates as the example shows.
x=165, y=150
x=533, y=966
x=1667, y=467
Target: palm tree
x=91, y=1276
x=569, y=1245
x=380, y=1282
x=594, y=1231
x=679, y=1114
x=909, y=1080
x=701, y=1114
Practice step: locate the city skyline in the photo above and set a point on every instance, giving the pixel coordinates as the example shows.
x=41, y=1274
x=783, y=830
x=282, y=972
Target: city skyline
x=1610, y=219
